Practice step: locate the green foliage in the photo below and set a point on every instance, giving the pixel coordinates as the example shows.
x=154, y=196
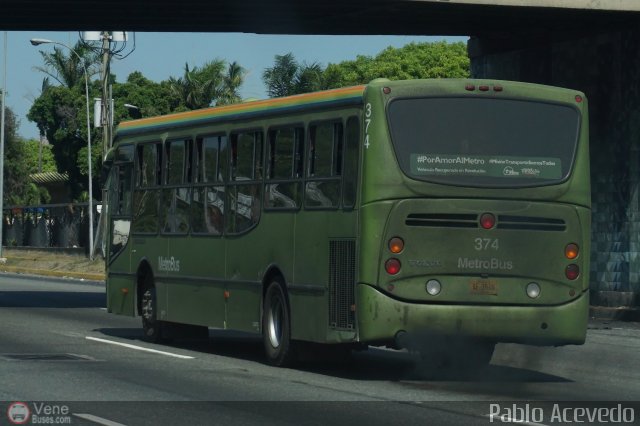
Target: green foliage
x=33, y=160
x=288, y=77
x=68, y=70
x=149, y=97
x=18, y=165
x=61, y=115
x=208, y=85
x=413, y=61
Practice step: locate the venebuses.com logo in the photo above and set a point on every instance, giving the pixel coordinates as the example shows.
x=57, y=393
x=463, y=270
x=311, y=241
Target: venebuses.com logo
x=18, y=413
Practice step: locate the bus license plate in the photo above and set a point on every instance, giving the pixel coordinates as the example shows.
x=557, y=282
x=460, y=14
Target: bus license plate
x=483, y=286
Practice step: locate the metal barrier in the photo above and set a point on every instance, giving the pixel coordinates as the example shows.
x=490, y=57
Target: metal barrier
x=49, y=225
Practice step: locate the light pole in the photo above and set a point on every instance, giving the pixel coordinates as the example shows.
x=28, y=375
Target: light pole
x=37, y=42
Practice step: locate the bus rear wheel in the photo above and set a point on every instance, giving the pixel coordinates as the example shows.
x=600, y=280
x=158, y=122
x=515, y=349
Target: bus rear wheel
x=151, y=326
x=276, y=329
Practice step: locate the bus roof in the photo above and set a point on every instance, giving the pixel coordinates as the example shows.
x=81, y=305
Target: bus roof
x=328, y=98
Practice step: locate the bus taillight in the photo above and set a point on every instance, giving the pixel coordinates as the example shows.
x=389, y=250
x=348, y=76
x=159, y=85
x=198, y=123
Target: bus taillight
x=392, y=266
x=396, y=245
x=487, y=220
x=572, y=271
x=571, y=251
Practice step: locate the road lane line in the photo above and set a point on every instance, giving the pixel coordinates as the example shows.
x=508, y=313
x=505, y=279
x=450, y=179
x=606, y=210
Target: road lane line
x=138, y=348
x=96, y=419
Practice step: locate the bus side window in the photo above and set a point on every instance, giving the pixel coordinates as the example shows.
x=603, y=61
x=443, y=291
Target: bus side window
x=350, y=171
x=147, y=194
x=322, y=186
x=176, y=197
x=207, y=209
x=146, y=173
x=284, y=168
x=244, y=191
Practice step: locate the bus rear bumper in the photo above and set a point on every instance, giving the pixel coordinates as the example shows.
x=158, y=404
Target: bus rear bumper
x=382, y=319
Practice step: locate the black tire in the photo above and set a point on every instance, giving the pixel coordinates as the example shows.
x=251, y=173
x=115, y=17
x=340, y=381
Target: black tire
x=151, y=326
x=276, y=326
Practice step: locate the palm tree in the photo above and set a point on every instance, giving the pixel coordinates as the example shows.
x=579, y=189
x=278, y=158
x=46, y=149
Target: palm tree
x=198, y=87
x=288, y=77
x=232, y=80
x=309, y=78
x=67, y=69
x=279, y=79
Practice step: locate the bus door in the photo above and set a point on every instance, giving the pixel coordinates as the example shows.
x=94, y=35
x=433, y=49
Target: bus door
x=119, y=275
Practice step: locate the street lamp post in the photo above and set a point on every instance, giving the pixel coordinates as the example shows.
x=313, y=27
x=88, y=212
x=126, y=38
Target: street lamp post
x=37, y=42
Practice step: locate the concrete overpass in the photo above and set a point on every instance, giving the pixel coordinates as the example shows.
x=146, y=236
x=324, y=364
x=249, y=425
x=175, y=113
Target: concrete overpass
x=590, y=45
x=417, y=17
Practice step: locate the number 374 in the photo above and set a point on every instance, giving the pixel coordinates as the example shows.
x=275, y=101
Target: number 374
x=486, y=244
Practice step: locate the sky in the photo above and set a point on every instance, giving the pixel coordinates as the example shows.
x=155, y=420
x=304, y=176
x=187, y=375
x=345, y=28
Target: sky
x=162, y=55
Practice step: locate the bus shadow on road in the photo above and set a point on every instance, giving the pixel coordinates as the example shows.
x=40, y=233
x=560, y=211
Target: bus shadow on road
x=402, y=366
x=372, y=364
x=230, y=344
x=52, y=299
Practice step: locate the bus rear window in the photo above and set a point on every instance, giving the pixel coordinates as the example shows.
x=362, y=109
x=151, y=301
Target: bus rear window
x=483, y=141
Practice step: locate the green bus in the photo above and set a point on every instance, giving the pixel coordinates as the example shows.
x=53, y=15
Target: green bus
x=441, y=215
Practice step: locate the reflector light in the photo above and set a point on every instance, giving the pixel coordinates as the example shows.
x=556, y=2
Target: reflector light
x=386, y=90
x=470, y=87
x=533, y=290
x=124, y=290
x=392, y=266
x=487, y=220
x=433, y=287
x=396, y=245
x=578, y=98
x=484, y=88
x=572, y=272
x=497, y=88
x=571, y=251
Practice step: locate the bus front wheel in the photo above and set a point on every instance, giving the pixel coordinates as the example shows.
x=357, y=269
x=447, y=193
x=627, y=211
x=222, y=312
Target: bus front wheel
x=151, y=326
x=276, y=330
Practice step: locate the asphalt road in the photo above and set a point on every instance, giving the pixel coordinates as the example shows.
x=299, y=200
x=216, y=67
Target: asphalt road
x=60, y=351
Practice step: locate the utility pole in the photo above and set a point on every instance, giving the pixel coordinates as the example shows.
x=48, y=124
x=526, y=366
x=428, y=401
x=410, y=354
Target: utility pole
x=107, y=111
x=2, y=127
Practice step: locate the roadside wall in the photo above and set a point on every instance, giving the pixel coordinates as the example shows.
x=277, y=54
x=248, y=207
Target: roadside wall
x=607, y=68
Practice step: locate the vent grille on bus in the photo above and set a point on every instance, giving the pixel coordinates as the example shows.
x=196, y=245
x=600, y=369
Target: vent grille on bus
x=443, y=220
x=342, y=277
x=531, y=223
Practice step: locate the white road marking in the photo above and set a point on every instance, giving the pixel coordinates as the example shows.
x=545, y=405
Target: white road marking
x=96, y=419
x=138, y=348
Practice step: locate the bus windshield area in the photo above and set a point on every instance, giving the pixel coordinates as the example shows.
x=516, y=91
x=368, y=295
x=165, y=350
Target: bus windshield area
x=484, y=141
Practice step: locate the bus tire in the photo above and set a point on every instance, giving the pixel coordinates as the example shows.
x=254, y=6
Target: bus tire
x=151, y=326
x=276, y=326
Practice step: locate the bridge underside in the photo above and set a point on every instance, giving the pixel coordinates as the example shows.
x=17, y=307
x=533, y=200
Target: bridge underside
x=402, y=17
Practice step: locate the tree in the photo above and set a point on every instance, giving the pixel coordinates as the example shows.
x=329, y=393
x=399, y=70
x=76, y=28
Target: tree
x=60, y=114
x=60, y=111
x=18, y=165
x=415, y=60
x=68, y=69
x=199, y=87
x=149, y=97
x=232, y=80
x=279, y=79
x=288, y=77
